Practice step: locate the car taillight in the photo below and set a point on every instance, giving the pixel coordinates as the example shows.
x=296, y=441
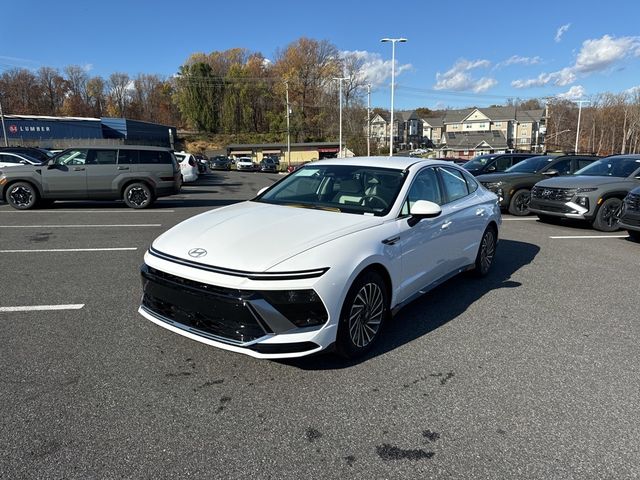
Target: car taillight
x=191, y=162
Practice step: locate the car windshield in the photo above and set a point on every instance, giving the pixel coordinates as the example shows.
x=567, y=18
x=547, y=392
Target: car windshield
x=340, y=188
x=611, y=167
x=478, y=162
x=531, y=165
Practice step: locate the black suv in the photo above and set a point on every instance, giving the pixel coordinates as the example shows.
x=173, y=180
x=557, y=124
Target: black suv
x=137, y=175
x=629, y=217
x=37, y=153
x=494, y=162
x=514, y=185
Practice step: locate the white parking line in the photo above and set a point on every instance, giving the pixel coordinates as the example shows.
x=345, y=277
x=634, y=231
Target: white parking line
x=41, y=250
x=37, y=308
x=49, y=211
x=568, y=237
x=520, y=219
x=84, y=226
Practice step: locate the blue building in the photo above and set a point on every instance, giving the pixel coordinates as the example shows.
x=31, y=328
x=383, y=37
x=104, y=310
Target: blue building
x=60, y=132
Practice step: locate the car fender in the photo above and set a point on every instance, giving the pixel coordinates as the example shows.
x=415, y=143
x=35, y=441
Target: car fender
x=33, y=179
x=121, y=180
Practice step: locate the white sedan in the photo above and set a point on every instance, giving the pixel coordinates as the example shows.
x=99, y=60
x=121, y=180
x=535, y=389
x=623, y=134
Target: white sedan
x=351, y=241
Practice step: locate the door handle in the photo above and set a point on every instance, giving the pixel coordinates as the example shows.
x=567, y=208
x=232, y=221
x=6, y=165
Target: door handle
x=391, y=240
x=123, y=168
x=78, y=169
x=446, y=225
x=480, y=212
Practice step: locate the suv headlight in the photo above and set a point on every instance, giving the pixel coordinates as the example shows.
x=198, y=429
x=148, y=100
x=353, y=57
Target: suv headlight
x=585, y=190
x=583, y=201
x=492, y=185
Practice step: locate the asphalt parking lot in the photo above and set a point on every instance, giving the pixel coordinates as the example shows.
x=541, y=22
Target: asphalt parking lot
x=530, y=373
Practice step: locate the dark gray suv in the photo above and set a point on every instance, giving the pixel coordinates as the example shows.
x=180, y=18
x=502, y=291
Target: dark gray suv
x=594, y=193
x=138, y=175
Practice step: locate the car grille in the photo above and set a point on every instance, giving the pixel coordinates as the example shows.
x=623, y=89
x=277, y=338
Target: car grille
x=632, y=202
x=553, y=194
x=214, y=312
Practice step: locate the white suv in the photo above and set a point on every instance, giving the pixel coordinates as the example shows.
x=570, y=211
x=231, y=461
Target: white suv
x=245, y=163
x=188, y=166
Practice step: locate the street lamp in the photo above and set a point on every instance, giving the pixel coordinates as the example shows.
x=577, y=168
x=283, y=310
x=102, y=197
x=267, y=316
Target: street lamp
x=393, y=76
x=339, y=80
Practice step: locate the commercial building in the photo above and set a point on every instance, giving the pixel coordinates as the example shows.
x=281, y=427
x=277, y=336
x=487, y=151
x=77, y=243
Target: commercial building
x=61, y=132
x=300, y=152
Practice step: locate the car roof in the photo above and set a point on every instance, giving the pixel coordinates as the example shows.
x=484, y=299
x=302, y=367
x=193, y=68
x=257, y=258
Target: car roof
x=120, y=147
x=400, y=163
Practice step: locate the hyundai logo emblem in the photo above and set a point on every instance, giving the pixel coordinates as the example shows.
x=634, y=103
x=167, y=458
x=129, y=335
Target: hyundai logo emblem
x=197, y=252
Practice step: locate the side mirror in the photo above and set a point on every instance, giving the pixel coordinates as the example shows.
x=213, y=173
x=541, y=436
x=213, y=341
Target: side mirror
x=491, y=168
x=261, y=191
x=423, y=209
x=551, y=173
x=24, y=162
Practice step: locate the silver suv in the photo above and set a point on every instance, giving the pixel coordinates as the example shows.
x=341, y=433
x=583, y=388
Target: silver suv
x=593, y=193
x=137, y=175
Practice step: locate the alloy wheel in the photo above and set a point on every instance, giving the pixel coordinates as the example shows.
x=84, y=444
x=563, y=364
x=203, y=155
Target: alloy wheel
x=487, y=250
x=522, y=203
x=366, y=315
x=609, y=214
x=21, y=196
x=138, y=196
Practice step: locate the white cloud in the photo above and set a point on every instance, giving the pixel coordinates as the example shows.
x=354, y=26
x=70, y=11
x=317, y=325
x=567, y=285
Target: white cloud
x=596, y=55
x=599, y=54
x=574, y=93
x=561, y=31
x=458, y=78
x=633, y=90
x=87, y=67
x=519, y=60
x=375, y=70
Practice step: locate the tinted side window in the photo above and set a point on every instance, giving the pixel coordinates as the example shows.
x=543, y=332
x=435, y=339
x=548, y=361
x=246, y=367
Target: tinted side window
x=72, y=157
x=455, y=185
x=9, y=159
x=563, y=166
x=503, y=163
x=471, y=182
x=425, y=187
x=101, y=157
x=583, y=162
x=128, y=157
x=155, y=157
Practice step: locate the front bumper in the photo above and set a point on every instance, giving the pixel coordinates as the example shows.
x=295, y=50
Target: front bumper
x=242, y=320
x=630, y=221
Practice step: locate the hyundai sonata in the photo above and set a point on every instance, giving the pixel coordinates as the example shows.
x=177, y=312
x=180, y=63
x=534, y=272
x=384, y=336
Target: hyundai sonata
x=351, y=241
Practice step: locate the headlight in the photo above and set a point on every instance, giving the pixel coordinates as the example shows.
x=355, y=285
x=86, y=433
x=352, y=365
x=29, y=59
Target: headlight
x=585, y=190
x=492, y=185
x=583, y=201
x=301, y=307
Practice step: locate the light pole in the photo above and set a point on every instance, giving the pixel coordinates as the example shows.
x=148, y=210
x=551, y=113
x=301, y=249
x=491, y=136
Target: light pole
x=368, y=119
x=4, y=129
x=393, y=77
x=580, y=102
x=339, y=80
x=286, y=83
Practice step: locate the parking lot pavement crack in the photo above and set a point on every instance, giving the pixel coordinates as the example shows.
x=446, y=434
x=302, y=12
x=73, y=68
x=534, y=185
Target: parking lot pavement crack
x=389, y=452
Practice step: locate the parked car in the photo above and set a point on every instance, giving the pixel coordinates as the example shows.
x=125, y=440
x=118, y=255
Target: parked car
x=10, y=159
x=220, y=162
x=268, y=165
x=188, y=166
x=38, y=153
x=494, y=162
x=137, y=175
x=245, y=163
x=593, y=194
x=629, y=217
x=513, y=186
x=202, y=162
x=351, y=241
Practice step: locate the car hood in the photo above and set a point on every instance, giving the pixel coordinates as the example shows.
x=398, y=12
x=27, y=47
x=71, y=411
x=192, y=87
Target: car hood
x=506, y=177
x=579, y=181
x=18, y=169
x=254, y=237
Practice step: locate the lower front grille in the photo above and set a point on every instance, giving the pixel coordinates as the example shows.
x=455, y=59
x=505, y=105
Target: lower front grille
x=219, y=314
x=550, y=208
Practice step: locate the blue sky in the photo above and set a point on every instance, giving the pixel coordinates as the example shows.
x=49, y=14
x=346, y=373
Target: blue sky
x=459, y=53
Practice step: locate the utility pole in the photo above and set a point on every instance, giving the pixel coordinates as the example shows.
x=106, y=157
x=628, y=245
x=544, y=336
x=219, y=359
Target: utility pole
x=393, y=77
x=580, y=102
x=288, y=130
x=4, y=129
x=339, y=80
x=368, y=119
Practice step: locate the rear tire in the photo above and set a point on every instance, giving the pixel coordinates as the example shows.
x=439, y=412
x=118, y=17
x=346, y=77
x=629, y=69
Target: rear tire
x=486, y=252
x=519, y=204
x=22, y=196
x=606, y=219
x=138, y=195
x=363, y=314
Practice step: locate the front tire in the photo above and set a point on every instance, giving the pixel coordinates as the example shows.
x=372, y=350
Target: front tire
x=486, y=252
x=364, y=311
x=606, y=219
x=519, y=204
x=138, y=195
x=22, y=196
